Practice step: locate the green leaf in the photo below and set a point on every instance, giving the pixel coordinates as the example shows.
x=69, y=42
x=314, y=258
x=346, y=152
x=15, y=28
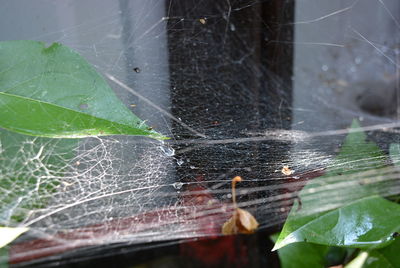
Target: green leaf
x=31, y=170
x=394, y=152
x=53, y=92
x=342, y=208
x=365, y=223
x=385, y=257
x=7, y=235
x=302, y=255
x=356, y=154
x=4, y=257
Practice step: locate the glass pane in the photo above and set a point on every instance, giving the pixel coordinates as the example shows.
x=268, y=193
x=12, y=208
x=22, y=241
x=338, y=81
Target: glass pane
x=264, y=90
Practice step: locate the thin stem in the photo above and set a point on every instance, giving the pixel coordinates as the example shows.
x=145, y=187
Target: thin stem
x=234, y=181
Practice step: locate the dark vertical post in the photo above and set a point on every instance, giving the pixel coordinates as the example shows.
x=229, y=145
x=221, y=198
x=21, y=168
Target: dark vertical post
x=231, y=70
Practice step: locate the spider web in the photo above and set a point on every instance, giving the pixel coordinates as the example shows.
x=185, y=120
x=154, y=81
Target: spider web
x=241, y=88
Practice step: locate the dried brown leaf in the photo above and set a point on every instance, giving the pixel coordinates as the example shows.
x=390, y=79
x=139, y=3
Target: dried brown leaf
x=287, y=171
x=241, y=222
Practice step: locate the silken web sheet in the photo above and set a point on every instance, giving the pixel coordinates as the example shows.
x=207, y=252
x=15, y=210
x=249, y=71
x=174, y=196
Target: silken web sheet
x=238, y=91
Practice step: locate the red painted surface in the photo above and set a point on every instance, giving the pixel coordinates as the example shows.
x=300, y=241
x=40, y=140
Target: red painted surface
x=199, y=215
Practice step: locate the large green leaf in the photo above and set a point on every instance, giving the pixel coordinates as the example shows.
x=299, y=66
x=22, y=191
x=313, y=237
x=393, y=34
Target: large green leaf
x=357, y=154
x=366, y=223
x=53, y=92
x=385, y=257
x=302, y=255
x=342, y=208
x=31, y=170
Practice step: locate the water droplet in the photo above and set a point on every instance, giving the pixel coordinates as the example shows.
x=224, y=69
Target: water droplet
x=168, y=150
x=325, y=68
x=179, y=162
x=177, y=185
x=232, y=26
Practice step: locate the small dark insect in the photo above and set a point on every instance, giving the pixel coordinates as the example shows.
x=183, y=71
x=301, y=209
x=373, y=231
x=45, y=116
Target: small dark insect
x=136, y=70
x=149, y=128
x=395, y=234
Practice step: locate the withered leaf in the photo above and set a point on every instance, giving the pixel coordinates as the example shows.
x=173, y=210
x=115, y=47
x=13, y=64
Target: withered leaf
x=241, y=222
x=287, y=171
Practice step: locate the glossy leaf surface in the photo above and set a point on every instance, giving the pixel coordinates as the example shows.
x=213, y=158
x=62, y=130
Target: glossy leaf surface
x=342, y=208
x=366, y=223
x=302, y=255
x=385, y=257
x=53, y=92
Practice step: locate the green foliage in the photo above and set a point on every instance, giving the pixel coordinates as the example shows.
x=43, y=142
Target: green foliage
x=49, y=92
x=385, y=257
x=53, y=92
x=24, y=162
x=4, y=257
x=365, y=223
x=302, y=255
x=394, y=152
x=343, y=208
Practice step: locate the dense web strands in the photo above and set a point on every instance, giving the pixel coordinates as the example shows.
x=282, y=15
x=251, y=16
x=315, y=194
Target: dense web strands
x=242, y=88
